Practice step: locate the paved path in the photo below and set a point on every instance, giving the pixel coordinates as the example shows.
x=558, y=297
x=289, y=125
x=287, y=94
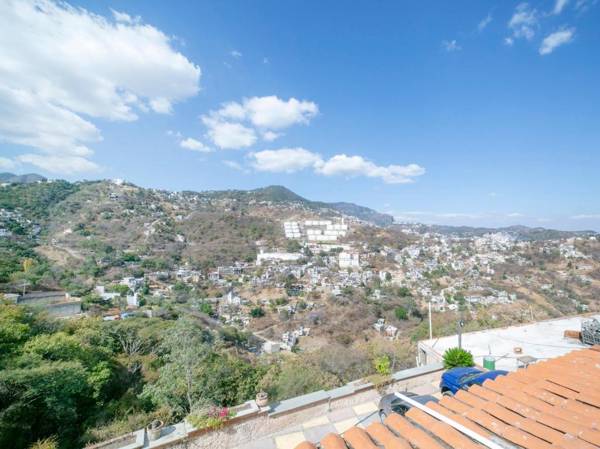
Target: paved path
x=336, y=421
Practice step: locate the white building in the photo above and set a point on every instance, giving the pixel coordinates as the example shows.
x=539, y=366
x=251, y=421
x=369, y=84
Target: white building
x=271, y=347
x=277, y=257
x=349, y=260
x=292, y=230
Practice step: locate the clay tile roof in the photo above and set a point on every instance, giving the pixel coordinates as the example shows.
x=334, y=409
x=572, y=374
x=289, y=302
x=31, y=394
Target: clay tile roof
x=332, y=441
x=306, y=445
x=384, y=437
x=553, y=404
x=357, y=438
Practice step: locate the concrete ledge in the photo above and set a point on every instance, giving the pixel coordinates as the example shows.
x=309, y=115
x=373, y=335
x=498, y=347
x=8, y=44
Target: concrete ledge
x=417, y=371
x=299, y=402
x=180, y=433
x=133, y=440
x=357, y=386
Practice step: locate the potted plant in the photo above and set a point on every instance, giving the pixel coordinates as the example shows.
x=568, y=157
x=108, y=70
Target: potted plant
x=154, y=429
x=262, y=399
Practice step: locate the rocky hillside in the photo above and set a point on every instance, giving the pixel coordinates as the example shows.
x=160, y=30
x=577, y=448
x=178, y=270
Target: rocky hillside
x=99, y=227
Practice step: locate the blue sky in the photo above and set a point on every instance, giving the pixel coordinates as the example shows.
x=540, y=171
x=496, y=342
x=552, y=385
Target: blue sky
x=476, y=113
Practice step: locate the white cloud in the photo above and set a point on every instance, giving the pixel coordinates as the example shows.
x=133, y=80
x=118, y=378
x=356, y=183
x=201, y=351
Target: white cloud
x=235, y=54
x=341, y=164
x=523, y=23
x=555, y=40
x=270, y=136
x=514, y=215
x=194, y=145
x=60, y=163
x=509, y=41
x=584, y=5
x=235, y=165
x=484, y=22
x=264, y=114
x=586, y=217
x=450, y=46
x=228, y=135
x=161, y=105
x=287, y=160
x=273, y=113
x=559, y=5
x=125, y=18
x=61, y=67
x=7, y=164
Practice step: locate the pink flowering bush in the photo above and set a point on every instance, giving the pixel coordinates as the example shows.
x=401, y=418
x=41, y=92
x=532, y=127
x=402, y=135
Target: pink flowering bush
x=212, y=418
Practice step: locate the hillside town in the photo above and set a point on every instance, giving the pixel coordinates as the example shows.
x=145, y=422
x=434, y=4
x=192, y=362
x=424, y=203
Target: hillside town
x=309, y=266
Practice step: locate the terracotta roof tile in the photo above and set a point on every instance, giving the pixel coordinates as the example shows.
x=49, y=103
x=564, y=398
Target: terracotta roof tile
x=306, y=445
x=508, y=432
x=443, y=431
x=528, y=425
x=454, y=405
x=553, y=404
x=332, y=441
x=415, y=436
x=385, y=437
x=470, y=399
x=357, y=438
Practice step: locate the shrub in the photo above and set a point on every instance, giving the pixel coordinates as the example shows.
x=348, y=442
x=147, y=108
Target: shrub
x=455, y=357
x=401, y=313
x=383, y=365
x=213, y=418
x=48, y=443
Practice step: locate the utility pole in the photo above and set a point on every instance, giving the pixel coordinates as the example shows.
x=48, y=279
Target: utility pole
x=430, y=327
x=459, y=327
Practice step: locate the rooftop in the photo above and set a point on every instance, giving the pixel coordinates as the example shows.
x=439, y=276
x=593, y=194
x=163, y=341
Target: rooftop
x=541, y=340
x=551, y=404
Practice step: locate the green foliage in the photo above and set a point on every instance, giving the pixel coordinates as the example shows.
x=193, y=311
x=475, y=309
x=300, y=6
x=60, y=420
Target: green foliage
x=401, y=313
x=213, y=418
x=46, y=443
x=35, y=200
x=295, y=377
x=193, y=373
x=206, y=308
x=454, y=357
x=257, y=312
x=293, y=246
x=383, y=364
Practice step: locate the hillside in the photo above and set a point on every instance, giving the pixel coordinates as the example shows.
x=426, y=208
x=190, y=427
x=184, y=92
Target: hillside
x=280, y=194
x=97, y=228
x=518, y=232
x=21, y=179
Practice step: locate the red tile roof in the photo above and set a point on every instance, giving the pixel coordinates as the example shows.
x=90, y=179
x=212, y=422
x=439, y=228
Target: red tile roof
x=548, y=405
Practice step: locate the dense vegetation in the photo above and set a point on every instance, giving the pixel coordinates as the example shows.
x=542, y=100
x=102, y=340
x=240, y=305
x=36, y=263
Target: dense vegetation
x=83, y=380
x=87, y=380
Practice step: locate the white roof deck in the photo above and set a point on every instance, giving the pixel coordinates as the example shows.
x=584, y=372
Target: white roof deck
x=542, y=340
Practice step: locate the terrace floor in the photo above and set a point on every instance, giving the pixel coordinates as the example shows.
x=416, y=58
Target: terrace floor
x=318, y=424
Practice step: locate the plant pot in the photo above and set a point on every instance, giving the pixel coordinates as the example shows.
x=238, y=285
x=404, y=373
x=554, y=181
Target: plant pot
x=262, y=399
x=154, y=429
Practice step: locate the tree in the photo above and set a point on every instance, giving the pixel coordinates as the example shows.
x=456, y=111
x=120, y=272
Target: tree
x=178, y=385
x=293, y=246
x=401, y=313
x=455, y=357
x=206, y=308
x=257, y=312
